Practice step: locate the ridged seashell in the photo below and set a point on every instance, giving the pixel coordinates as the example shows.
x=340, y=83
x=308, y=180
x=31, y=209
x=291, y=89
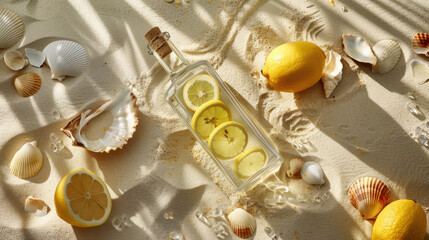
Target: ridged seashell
x=28, y=84
x=420, y=71
x=333, y=72
x=312, y=173
x=123, y=115
x=14, y=60
x=27, y=161
x=295, y=165
x=243, y=224
x=36, y=58
x=420, y=43
x=358, y=49
x=369, y=196
x=36, y=206
x=66, y=58
x=11, y=28
x=388, y=53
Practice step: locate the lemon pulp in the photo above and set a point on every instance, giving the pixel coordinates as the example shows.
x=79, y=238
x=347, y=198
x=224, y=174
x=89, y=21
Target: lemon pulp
x=208, y=116
x=199, y=90
x=249, y=162
x=228, y=140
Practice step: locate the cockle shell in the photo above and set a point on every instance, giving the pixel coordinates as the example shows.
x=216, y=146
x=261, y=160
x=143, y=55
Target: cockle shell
x=295, y=165
x=358, y=49
x=243, y=224
x=388, y=53
x=28, y=84
x=369, y=196
x=11, y=28
x=123, y=114
x=420, y=43
x=66, y=58
x=36, y=206
x=27, y=161
x=14, y=60
x=312, y=173
x=420, y=71
x=333, y=72
x=36, y=58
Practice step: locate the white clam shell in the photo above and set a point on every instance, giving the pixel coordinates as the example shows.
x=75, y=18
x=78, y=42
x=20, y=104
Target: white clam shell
x=243, y=224
x=388, y=53
x=295, y=165
x=11, y=28
x=27, y=161
x=333, y=72
x=123, y=115
x=420, y=43
x=36, y=206
x=358, y=49
x=36, y=58
x=420, y=71
x=312, y=173
x=15, y=60
x=66, y=58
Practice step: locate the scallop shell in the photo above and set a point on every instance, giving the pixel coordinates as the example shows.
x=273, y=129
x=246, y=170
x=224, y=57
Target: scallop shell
x=11, y=28
x=243, y=224
x=358, y=49
x=36, y=206
x=420, y=43
x=14, y=60
x=312, y=173
x=66, y=58
x=35, y=57
x=369, y=196
x=27, y=161
x=388, y=53
x=123, y=112
x=28, y=84
x=333, y=72
x=420, y=71
x=295, y=168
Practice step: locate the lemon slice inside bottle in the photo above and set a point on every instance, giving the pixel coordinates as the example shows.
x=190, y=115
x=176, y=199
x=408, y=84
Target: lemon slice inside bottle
x=228, y=140
x=199, y=90
x=249, y=162
x=208, y=116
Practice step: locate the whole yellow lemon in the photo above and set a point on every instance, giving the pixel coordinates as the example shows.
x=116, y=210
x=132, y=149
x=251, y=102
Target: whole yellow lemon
x=400, y=220
x=294, y=66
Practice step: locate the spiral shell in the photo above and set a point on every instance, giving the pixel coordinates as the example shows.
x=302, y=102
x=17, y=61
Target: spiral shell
x=420, y=43
x=312, y=173
x=11, y=28
x=333, y=72
x=14, y=60
x=388, y=53
x=358, y=49
x=27, y=161
x=28, y=84
x=243, y=224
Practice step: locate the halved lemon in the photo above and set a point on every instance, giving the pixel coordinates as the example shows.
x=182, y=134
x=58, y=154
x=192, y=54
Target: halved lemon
x=249, y=162
x=199, y=90
x=228, y=140
x=82, y=199
x=208, y=116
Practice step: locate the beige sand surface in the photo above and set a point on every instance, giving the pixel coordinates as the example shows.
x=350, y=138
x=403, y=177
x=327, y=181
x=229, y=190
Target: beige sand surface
x=363, y=131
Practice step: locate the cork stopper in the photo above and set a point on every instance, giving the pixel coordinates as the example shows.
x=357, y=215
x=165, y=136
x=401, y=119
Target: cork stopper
x=157, y=42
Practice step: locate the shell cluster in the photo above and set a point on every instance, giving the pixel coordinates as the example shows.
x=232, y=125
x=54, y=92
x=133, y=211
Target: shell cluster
x=312, y=173
x=243, y=224
x=11, y=28
x=333, y=72
x=27, y=161
x=28, y=84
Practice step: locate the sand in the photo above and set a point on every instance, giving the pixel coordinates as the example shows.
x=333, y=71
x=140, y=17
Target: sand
x=363, y=131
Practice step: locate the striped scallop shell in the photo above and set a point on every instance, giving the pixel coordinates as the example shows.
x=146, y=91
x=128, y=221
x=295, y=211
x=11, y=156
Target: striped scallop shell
x=369, y=196
x=11, y=28
x=27, y=161
x=420, y=43
x=66, y=58
x=28, y=84
x=243, y=224
x=388, y=53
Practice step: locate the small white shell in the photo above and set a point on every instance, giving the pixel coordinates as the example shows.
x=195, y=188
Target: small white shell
x=66, y=58
x=36, y=206
x=312, y=173
x=333, y=72
x=295, y=165
x=388, y=53
x=28, y=84
x=36, y=58
x=420, y=43
x=14, y=60
x=27, y=161
x=420, y=71
x=243, y=224
x=358, y=49
x=11, y=28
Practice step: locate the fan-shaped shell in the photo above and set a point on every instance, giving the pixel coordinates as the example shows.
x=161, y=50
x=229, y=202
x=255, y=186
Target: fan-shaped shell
x=388, y=53
x=243, y=224
x=420, y=71
x=295, y=165
x=27, y=161
x=28, y=84
x=358, y=49
x=36, y=58
x=312, y=173
x=11, y=28
x=369, y=196
x=66, y=58
x=420, y=43
x=333, y=72
x=36, y=206
x=123, y=115
x=14, y=60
